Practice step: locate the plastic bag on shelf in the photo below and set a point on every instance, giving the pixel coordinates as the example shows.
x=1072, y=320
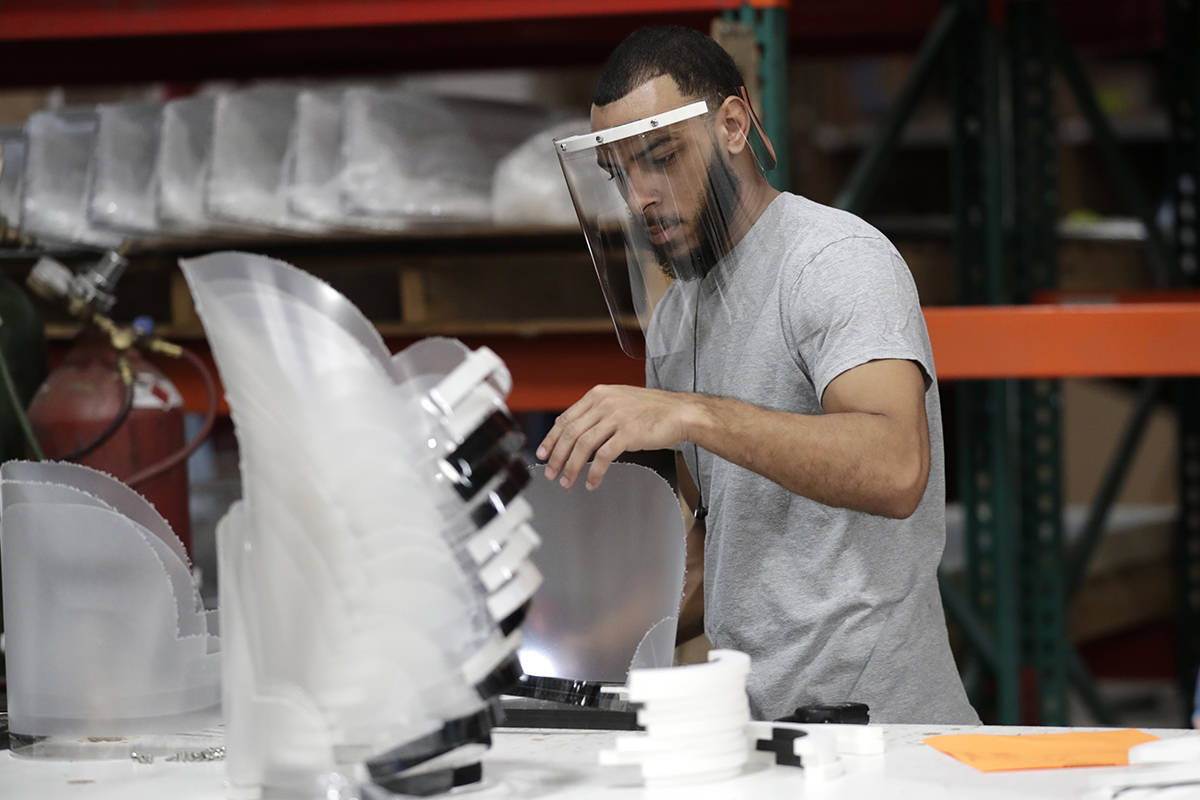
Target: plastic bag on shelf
x=12, y=173
x=312, y=186
x=123, y=196
x=412, y=156
x=252, y=158
x=529, y=188
x=182, y=163
x=58, y=164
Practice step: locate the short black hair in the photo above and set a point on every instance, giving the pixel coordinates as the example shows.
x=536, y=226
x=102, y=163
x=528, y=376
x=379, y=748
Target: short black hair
x=699, y=66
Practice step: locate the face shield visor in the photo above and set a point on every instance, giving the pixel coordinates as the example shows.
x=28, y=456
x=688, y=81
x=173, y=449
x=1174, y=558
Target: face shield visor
x=656, y=199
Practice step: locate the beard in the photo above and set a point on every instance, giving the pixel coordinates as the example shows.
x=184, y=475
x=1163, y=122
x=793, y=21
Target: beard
x=712, y=219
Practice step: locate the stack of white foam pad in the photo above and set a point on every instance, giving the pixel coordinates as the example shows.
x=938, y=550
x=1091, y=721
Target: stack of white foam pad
x=374, y=577
x=106, y=637
x=696, y=720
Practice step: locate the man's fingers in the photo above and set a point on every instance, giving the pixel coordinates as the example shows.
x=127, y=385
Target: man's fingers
x=561, y=422
x=603, y=460
x=587, y=443
x=547, y=446
x=569, y=431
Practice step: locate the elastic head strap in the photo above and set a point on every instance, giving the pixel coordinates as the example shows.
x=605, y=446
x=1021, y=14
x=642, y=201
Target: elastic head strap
x=758, y=127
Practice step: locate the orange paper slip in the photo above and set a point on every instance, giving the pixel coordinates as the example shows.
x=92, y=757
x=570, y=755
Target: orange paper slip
x=994, y=752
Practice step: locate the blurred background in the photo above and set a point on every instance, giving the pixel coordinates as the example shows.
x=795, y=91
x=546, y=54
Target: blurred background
x=1019, y=153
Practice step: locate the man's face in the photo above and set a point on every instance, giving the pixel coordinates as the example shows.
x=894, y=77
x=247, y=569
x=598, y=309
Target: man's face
x=676, y=181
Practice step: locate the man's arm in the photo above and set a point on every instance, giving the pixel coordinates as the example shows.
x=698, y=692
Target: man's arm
x=691, y=608
x=869, y=451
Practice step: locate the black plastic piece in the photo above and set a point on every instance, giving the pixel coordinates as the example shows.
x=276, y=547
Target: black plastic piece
x=842, y=713
x=472, y=729
x=514, y=620
x=484, y=453
x=516, y=479
x=558, y=690
x=501, y=679
x=571, y=718
x=438, y=781
x=782, y=744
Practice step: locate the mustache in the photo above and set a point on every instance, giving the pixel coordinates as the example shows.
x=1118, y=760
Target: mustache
x=661, y=222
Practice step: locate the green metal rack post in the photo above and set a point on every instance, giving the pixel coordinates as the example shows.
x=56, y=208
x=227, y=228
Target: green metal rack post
x=770, y=29
x=1183, y=89
x=1035, y=267
x=985, y=449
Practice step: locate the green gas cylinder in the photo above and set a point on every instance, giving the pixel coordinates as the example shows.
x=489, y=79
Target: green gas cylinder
x=23, y=345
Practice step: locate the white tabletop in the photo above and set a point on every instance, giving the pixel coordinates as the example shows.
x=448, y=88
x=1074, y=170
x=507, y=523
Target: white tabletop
x=557, y=765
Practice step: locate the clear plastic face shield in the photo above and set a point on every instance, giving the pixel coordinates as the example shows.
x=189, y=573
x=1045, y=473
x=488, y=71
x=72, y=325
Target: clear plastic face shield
x=656, y=198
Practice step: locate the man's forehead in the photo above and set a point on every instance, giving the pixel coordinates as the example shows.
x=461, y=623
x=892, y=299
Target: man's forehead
x=652, y=97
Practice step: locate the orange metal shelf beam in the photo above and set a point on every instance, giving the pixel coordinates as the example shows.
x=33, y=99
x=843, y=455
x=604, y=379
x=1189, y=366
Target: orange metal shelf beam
x=69, y=19
x=1066, y=341
x=1041, y=341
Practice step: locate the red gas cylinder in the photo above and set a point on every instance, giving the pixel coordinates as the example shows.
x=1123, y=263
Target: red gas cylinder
x=82, y=396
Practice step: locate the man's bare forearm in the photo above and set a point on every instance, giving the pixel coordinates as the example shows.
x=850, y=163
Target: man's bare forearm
x=863, y=461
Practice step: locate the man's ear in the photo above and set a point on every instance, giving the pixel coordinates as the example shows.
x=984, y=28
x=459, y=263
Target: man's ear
x=733, y=120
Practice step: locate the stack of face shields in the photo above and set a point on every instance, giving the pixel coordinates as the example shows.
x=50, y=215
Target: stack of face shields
x=615, y=572
x=378, y=569
x=107, y=643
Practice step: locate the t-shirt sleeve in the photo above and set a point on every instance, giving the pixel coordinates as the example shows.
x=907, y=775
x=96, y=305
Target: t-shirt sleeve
x=651, y=375
x=854, y=302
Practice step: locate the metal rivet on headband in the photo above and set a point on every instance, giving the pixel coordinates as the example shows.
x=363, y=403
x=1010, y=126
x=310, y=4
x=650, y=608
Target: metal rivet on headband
x=653, y=123
x=600, y=139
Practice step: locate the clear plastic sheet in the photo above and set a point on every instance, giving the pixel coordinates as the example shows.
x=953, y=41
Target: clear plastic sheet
x=57, y=172
x=252, y=159
x=408, y=155
x=529, y=188
x=122, y=196
x=614, y=565
x=105, y=633
x=12, y=173
x=352, y=611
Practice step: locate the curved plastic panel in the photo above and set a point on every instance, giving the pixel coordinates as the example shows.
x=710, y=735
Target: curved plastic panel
x=91, y=629
x=657, y=647
x=120, y=497
x=296, y=282
x=433, y=357
x=191, y=618
x=613, y=561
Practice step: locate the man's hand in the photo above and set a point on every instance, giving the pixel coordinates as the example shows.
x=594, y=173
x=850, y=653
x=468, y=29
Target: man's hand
x=608, y=421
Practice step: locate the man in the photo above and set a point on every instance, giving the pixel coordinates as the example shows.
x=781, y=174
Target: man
x=788, y=362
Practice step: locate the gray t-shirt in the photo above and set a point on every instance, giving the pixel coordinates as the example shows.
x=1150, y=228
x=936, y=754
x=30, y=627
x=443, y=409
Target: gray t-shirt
x=831, y=604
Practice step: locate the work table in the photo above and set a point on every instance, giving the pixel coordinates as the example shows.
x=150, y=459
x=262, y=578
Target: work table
x=563, y=765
